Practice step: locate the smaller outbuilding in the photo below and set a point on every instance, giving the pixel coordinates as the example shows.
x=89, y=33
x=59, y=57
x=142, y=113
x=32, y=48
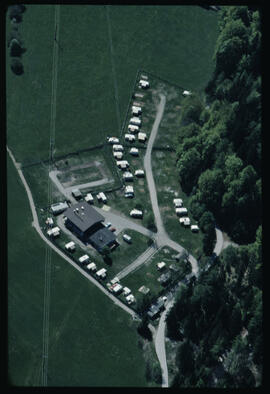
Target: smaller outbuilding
x=134, y=152
x=49, y=222
x=142, y=137
x=129, y=191
x=136, y=213
x=127, y=238
x=194, y=228
x=126, y=291
x=76, y=193
x=186, y=93
x=53, y=232
x=89, y=198
x=118, y=155
x=113, y=140
x=130, y=299
x=130, y=137
x=92, y=266
x=127, y=176
x=139, y=173
x=118, y=148
x=136, y=121
x=178, y=202
x=185, y=221
x=144, y=84
x=84, y=259
x=133, y=128
x=136, y=110
x=59, y=207
x=153, y=312
x=70, y=246
x=117, y=288
x=181, y=211
x=101, y=273
x=161, y=265
x=101, y=197
x=122, y=164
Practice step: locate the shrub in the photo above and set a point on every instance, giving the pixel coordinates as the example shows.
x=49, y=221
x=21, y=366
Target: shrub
x=17, y=67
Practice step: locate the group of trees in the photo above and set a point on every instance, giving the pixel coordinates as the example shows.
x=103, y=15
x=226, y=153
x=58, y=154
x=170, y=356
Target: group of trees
x=219, y=141
x=15, y=42
x=217, y=318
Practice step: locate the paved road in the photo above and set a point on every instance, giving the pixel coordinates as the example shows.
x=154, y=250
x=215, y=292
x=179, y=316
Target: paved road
x=162, y=237
x=60, y=253
x=148, y=169
x=219, y=242
x=160, y=344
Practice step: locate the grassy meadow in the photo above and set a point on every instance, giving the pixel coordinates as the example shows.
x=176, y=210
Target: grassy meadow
x=102, y=342
x=91, y=341
x=95, y=75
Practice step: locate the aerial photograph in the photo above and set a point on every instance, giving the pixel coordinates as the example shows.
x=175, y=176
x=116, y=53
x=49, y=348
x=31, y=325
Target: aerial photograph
x=134, y=195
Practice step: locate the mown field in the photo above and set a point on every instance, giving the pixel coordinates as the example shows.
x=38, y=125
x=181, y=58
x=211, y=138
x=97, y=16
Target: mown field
x=91, y=67
x=91, y=341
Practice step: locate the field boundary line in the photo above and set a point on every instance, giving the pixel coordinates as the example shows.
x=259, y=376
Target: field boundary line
x=48, y=255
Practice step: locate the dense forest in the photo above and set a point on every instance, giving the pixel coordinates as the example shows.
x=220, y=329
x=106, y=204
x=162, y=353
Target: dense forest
x=217, y=318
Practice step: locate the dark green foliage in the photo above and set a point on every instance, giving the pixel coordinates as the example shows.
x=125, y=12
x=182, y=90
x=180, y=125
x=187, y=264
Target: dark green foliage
x=212, y=314
x=15, y=48
x=191, y=109
x=219, y=152
x=150, y=222
x=143, y=329
x=16, y=66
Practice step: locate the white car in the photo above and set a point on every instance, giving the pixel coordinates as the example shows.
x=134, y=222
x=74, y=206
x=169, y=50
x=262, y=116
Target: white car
x=108, y=224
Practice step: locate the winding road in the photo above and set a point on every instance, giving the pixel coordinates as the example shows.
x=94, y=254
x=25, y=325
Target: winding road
x=161, y=238
x=36, y=225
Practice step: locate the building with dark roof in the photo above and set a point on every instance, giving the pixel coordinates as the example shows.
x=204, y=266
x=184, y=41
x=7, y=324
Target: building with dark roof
x=101, y=238
x=86, y=223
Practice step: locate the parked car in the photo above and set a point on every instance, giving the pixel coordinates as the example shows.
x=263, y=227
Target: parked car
x=108, y=224
x=112, y=229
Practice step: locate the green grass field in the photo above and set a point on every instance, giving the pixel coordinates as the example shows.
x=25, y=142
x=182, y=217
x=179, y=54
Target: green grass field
x=86, y=110
x=91, y=341
x=148, y=273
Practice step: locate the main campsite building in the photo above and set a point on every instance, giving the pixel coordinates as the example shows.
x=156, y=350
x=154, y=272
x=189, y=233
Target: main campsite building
x=86, y=223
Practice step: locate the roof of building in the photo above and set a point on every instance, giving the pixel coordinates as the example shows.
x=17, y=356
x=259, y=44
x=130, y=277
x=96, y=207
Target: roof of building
x=126, y=290
x=102, y=237
x=70, y=244
x=83, y=258
x=102, y=271
x=59, y=206
x=84, y=218
x=91, y=266
x=161, y=264
x=127, y=174
x=139, y=172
